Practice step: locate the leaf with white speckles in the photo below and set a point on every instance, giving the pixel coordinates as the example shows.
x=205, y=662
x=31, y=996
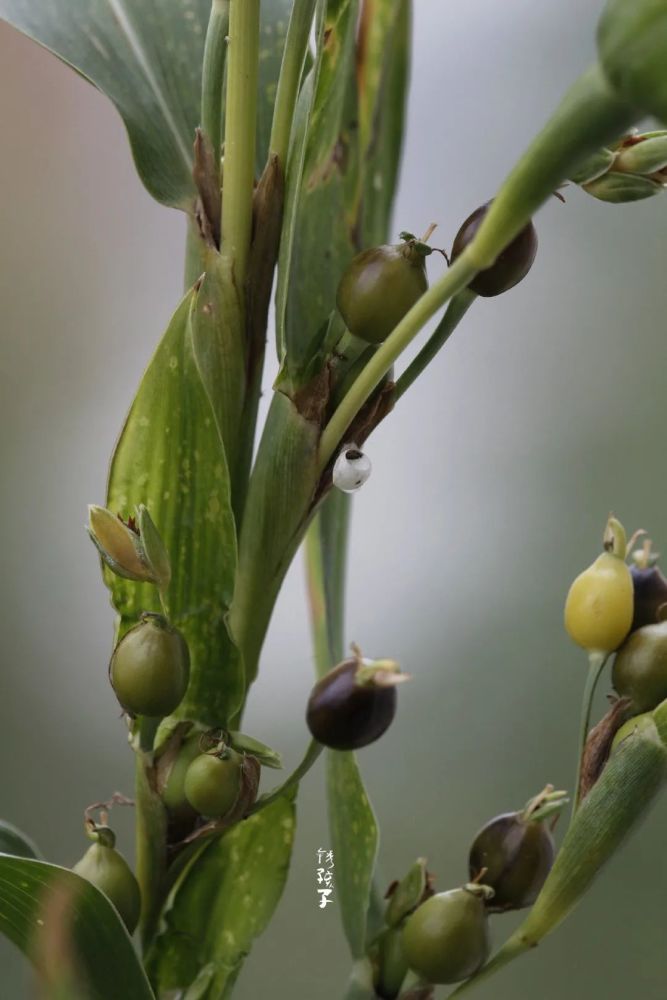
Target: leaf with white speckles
x=224, y=901
x=146, y=56
x=170, y=457
x=354, y=839
x=70, y=930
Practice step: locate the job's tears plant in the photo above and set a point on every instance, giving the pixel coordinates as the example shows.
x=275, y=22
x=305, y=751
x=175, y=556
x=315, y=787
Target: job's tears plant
x=276, y=127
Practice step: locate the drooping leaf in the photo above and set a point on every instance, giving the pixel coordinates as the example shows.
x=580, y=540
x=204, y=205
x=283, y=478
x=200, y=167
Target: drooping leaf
x=170, y=457
x=146, y=56
x=224, y=901
x=70, y=931
x=14, y=841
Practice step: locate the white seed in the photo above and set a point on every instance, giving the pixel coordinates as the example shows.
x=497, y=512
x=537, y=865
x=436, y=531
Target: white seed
x=352, y=468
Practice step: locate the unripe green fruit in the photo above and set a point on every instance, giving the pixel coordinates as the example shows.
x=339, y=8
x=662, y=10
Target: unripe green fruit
x=650, y=596
x=379, y=287
x=633, y=728
x=213, y=784
x=511, y=266
x=110, y=872
x=517, y=855
x=640, y=668
x=150, y=668
x=345, y=715
x=173, y=794
x=446, y=939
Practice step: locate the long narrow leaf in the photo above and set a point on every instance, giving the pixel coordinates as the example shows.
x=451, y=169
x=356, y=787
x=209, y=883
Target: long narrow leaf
x=170, y=457
x=224, y=901
x=70, y=931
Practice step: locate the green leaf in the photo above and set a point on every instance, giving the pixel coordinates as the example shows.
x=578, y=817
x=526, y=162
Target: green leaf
x=344, y=162
x=171, y=458
x=146, y=56
x=382, y=67
x=318, y=232
x=224, y=901
x=354, y=829
x=14, y=841
x=71, y=932
x=354, y=839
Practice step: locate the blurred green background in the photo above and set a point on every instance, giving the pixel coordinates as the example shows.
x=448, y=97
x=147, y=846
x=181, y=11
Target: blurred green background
x=491, y=485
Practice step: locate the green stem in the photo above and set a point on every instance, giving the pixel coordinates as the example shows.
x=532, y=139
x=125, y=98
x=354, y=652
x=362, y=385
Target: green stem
x=240, y=126
x=317, y=599
x=312, y=753
x=516, y=946
x=589, y=116
x=596, y=662
x=456, y=310
x=151, y=849
x=294, y=56
x=213, y=73
x=457, y=277
x=148, y=727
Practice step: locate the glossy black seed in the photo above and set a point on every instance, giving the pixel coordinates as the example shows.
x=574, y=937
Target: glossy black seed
x=510, y=267
x=345, y=715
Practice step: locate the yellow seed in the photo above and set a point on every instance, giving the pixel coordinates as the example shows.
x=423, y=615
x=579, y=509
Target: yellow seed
x=599, y=605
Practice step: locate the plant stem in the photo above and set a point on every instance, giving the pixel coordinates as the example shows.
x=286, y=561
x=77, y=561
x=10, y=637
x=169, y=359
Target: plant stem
x=294, y=55
x=510, y=950
x=312, y=753
x=240, y=125
x=456, y=310
x=596, y=662
x=213, y=73
x=456, y=278
x=589, y=116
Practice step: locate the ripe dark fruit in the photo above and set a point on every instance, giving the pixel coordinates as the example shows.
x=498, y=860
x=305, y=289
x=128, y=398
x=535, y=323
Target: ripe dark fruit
x=511, y=266
x=150, y=668
x=353, y=704
x=516, y=856
x=213, y=783
x=446, y=939
x=640, y=668
x=380, y=286
x=109, y=871
x=650, y=589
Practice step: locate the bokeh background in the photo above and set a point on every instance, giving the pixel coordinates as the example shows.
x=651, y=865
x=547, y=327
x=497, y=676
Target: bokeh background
x=491, y=485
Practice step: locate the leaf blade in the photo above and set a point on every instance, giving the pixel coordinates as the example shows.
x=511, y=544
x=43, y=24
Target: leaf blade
x=220, y=906
x=13, y=841
x=43, y=904
x=170, y=457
